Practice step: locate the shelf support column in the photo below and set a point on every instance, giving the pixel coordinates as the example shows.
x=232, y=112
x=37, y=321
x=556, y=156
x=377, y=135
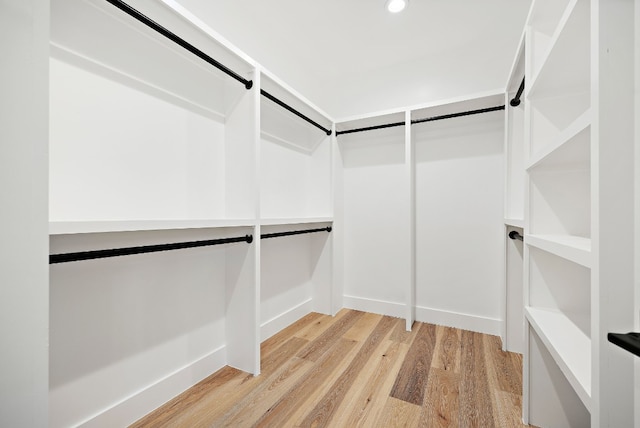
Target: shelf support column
x=410, y=310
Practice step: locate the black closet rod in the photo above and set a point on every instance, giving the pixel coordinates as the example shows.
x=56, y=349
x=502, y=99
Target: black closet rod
x=515, y=102
x=627, y=341
x=294, y=232
x=426, y=119
x=370, y=128
x=515, y=235
x=294, y=111
x=115, y=252
x=459, y=114
x=174, y=38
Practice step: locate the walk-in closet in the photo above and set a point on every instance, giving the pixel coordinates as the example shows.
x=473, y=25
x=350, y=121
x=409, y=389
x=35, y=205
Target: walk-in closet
x=222, y=213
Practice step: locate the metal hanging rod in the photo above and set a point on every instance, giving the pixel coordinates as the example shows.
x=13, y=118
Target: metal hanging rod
x=294, y=111
x=181, y=42
x=515, y=235
x=426, y=119
x=627, y=341
x=515, y=102
x=294, y=232
x=116, y=252
x=460, y=114
x=370, y=128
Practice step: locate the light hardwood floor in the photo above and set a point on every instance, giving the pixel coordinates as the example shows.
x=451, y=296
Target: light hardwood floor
x=359, y=369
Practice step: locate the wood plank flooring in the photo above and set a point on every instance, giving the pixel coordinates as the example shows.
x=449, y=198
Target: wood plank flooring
x=359, y=370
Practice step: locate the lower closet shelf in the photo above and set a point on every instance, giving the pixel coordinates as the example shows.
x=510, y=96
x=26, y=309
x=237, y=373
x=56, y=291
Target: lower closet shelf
x=107, y=226
x=569, y=346
x=574, y=248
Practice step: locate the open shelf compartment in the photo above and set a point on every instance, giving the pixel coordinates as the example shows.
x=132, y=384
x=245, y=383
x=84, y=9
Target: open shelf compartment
x=564, y=66
x=568, y=345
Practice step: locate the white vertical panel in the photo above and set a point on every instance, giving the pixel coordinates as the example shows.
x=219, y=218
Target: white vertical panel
x=613, y=208
x=637, y=208
x=24, y=295
x=410, y=164
x=241, y=152
x=514, y=315
x=243, y=262
x=319, y=194
x=321, y=259
x=337, y=167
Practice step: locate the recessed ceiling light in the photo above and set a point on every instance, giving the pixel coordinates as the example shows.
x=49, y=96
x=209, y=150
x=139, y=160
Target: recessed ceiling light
x=395, y=6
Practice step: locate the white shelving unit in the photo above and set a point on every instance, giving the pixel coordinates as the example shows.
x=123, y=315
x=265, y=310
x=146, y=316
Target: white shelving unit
x=295, y=195
x=152, y=145
x=514, y=203
x=558, y=225
x=577, y=277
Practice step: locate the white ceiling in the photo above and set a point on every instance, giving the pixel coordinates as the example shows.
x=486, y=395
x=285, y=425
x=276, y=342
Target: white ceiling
x=352, y=57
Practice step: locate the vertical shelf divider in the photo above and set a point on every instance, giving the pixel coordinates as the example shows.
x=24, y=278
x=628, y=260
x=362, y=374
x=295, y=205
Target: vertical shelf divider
x=612, y=134
x=337, y=239
x=243, y=264
x=411, y=181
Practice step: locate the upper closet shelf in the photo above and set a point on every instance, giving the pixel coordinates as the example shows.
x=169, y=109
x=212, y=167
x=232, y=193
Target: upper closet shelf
x=515, y=222
x=102, y=38
x=79, y=227
x=542, y=23
x=287, y=120
x=570, y=147
x=281, y=127
x=573, y=248
x=293, y=221
x=569, y=346
x=564, y=68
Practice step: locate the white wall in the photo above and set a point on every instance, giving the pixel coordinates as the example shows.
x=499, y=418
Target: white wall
x=295, y=182
x=24, y=292
x=376, y=206
x=118, y=153
x=124, y=325
x=295, y=277
x=459, y=221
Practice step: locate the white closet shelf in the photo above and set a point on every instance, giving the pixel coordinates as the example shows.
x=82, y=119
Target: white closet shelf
x=78, y=227
x=574, y=248
x=545, y=15
x=90, y=33
x=570, y=147
x=515, y=222
x=283, y=127
x=299, y=220
x=566, y=62
x=569, y=346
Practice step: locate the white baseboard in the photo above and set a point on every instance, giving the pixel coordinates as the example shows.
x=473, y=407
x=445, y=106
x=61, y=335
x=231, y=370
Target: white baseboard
x=475, y=323
x=150, y=398
x=279, y=322
x=375, y=306
x=429, y=315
